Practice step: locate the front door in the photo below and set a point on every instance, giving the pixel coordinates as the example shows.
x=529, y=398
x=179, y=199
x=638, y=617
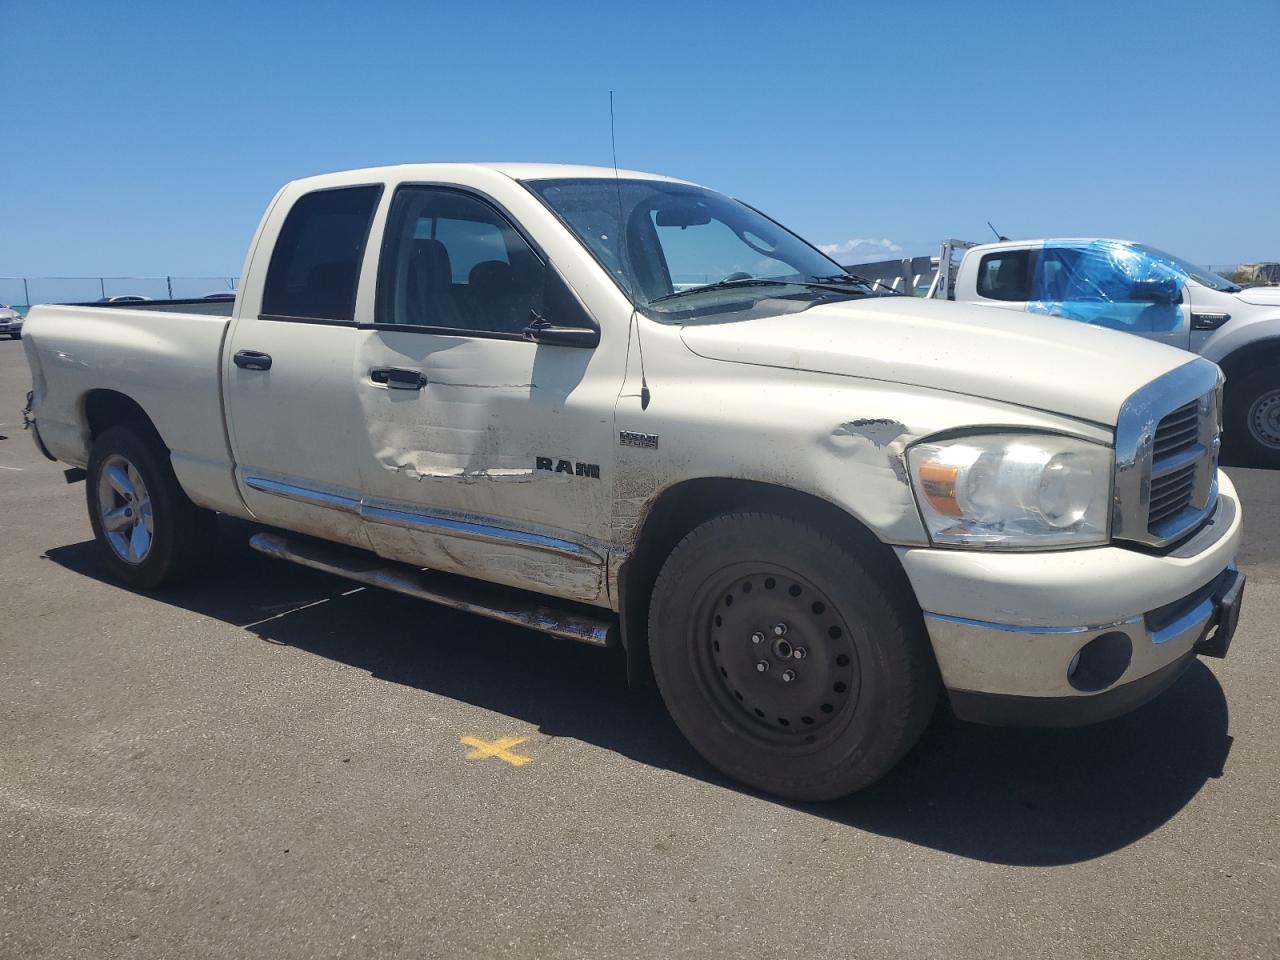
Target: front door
x=1110, y=284
x=484, y=453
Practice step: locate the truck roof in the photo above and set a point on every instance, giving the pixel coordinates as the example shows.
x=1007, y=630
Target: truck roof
x=1005, y=244
x=516, y=171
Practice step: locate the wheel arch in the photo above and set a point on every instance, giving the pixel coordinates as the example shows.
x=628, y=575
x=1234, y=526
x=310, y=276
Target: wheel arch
x=683, y=506
x=102, y=409
x=1249, y=357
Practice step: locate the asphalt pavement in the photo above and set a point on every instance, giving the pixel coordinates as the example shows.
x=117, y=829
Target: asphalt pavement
x=272, y=762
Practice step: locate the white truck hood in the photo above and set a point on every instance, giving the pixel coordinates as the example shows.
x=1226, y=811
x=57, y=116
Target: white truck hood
x=1059, y=366
x=1262, y=296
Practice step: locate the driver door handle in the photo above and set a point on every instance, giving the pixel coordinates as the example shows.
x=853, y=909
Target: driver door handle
x=252, y=360
x=397, y=378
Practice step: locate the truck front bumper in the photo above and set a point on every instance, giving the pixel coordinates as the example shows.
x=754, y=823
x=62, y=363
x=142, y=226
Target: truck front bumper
x=1073, y=637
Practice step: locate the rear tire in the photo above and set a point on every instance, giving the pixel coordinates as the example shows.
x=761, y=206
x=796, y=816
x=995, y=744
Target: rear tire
x=819, y=710
x=1252, y=427
x=150, y=532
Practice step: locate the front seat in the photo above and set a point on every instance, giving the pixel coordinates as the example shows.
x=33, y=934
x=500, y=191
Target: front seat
x=494, y=298
x=430, y=299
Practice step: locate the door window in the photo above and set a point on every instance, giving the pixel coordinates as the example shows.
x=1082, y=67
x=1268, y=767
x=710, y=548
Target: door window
x=316, y=261
x=452, y=261
x=1108, y=284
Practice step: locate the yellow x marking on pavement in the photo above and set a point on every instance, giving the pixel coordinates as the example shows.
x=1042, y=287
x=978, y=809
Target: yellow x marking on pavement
x=500, y=748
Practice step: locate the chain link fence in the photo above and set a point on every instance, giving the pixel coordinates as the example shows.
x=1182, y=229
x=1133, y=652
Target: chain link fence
x=21, y=292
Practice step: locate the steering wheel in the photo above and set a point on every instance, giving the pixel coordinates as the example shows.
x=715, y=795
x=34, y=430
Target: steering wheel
x=740, y=275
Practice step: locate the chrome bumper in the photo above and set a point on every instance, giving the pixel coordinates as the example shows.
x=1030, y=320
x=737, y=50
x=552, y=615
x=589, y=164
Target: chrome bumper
x=1070, y=667
x=991, y=618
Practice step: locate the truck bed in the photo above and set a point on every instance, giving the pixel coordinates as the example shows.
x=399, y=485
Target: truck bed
x=199, y=305
x=162, y=355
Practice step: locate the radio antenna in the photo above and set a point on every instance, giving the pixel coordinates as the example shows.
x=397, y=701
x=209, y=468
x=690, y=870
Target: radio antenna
x=999, y=236
x=622, y=241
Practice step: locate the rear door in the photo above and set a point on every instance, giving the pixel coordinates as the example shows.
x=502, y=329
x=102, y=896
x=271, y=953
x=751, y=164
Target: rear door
x=482, y=452
x=288, y=370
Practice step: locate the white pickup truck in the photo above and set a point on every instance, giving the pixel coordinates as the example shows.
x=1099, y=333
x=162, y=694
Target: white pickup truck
x=626, y=409
x=1132, y=287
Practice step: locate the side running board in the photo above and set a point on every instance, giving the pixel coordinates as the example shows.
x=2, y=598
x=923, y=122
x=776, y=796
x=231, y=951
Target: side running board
x=575, y=621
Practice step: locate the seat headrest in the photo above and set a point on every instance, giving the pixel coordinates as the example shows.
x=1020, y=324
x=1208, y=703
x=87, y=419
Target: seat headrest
x=491, y=275
x=430, y=259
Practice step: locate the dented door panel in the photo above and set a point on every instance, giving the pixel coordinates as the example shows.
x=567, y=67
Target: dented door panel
x=504, y=434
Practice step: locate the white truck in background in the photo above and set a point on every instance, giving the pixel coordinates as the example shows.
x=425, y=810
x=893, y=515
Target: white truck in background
x=802, y=505
x=1132, y=287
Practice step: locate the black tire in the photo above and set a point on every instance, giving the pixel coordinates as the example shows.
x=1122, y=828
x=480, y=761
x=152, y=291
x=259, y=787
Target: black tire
x=1251, y=430
x=181, y=535
x=862, y=693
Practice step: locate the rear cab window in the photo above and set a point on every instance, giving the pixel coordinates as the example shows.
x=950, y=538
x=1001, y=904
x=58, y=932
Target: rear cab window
x=315, y=266
x=1006, y=275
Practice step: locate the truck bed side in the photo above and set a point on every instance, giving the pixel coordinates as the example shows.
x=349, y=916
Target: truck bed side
x=85, y=359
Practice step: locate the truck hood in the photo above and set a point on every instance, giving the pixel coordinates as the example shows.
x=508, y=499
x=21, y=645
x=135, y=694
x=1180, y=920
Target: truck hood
x=1262, y=296
x=1059, y=366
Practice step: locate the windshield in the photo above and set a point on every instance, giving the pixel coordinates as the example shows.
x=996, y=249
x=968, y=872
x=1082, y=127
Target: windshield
x=688, y=250
x=1200, y=275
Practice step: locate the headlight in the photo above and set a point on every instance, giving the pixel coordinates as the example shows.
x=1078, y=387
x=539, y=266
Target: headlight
x=1013, y=491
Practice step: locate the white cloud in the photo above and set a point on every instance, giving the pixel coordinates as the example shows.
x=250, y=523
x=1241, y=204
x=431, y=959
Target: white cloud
x=862, y=251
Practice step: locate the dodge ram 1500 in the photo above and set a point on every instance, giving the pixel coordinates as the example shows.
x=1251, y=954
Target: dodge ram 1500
x=624, y=408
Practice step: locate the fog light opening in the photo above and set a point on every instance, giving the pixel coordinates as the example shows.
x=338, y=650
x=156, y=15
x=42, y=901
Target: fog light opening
x=1100, y=662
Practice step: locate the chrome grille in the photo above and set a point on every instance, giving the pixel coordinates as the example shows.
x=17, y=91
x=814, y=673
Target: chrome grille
x=1167, y=456
x=1171, y=494
x=1178, y=430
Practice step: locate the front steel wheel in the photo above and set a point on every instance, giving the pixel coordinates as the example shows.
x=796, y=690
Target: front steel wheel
x=790, y=660
x=1264, y=419
x=775, y=655
x=1252, y=425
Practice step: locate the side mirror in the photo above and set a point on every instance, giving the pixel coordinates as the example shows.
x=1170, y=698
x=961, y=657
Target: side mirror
x=542, y=330
x=1159, y=290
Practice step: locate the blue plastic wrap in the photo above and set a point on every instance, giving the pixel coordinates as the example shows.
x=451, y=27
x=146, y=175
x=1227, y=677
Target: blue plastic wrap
x=1109, y=284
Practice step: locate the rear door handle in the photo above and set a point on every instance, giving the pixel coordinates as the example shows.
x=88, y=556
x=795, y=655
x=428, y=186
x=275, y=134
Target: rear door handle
x=397, y=378
x=252, y=360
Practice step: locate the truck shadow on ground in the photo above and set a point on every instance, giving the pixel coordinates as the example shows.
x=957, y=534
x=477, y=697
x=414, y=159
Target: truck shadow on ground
x=1021, y=797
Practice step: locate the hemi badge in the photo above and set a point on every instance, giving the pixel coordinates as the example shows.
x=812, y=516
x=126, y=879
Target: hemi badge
x=648, y=441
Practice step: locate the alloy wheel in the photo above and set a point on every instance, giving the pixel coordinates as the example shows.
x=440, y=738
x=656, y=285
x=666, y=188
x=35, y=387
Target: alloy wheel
x=124, y=509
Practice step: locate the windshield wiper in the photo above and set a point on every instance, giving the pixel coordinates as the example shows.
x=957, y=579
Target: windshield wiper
x=840, y=284
x=843, y=278
x=724, y=285
x=853, y=279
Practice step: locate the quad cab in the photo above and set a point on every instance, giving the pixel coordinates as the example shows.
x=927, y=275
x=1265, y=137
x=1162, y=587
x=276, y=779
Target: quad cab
x=626, y=409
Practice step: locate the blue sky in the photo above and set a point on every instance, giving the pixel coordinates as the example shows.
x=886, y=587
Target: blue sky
x=145, y=138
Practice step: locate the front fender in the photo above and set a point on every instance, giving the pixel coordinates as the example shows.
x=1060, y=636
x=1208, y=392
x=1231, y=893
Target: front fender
x=1247, y=333
x=840, y=439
